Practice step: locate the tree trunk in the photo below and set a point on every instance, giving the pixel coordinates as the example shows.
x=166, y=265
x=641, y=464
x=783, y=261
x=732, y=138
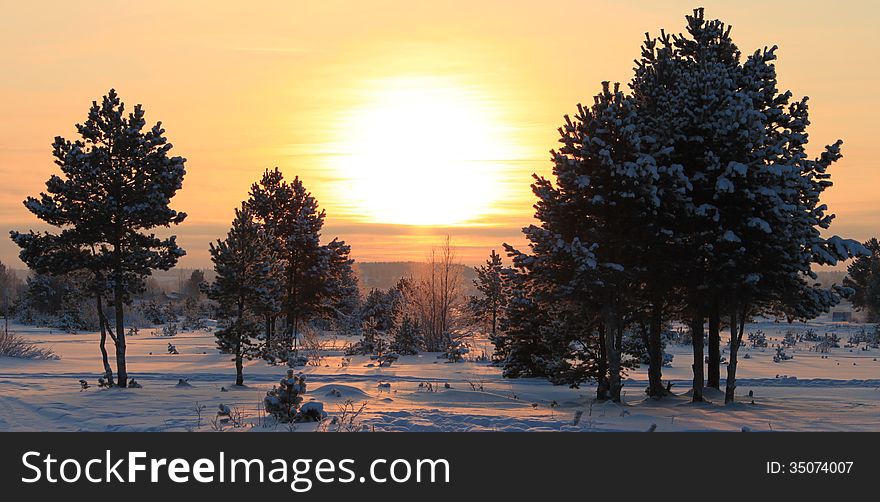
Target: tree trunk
x=268, y=329
x=102, y=320
x=292, y=350
x=613, y=333
x=602, y=367
x=291, y=300
x=239, y=331
x=697, y=340
x=295, y=335
x=239, y=366
x=120, y=337
x=655, y=354
x=713, y=376
x=615, y=364
x=737, y=326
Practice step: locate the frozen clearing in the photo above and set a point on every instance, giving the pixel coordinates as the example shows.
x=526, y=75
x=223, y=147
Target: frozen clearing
x=809, y=392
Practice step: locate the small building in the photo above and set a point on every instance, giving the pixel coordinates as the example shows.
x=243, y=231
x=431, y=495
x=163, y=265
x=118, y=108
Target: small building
x=842, y=316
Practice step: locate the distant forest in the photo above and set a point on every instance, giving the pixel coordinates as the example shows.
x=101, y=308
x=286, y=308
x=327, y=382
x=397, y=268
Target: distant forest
x=371, y=275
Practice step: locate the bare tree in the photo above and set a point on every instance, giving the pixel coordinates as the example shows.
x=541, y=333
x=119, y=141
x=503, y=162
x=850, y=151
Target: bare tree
x=435, y=296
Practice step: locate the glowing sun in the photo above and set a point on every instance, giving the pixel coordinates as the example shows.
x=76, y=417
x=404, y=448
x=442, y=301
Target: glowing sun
x=421, y=151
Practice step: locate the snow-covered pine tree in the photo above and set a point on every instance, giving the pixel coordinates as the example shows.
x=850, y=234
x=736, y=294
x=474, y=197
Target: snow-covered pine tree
x=289, y=213
x=385, y=307
x=519, y=347
x=587, y=255
x=243, y=285
x=488, y=305
x=117, y=182
x=342, y=297
x=44, y=293
x=59, y=301
x=406, y=337
x=542, y=336
x=863, y=277
x=380, y=307
x=694, y=71
x=750, y=220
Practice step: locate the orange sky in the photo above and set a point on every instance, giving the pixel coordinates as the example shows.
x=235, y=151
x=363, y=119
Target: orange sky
x=407, y=120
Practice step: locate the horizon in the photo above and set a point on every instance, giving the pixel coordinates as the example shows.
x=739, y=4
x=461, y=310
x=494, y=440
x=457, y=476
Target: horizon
x=475, y=98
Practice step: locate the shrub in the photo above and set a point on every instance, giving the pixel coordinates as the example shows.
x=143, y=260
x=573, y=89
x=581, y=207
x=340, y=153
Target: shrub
x=407, y=337
x=758, y=339
x=12, y=345
x=169, y=329
x=456, y=351
x=283, y=401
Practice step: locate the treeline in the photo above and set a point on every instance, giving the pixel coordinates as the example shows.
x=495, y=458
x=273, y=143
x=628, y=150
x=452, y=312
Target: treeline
x=690, y=198
x=64, y=301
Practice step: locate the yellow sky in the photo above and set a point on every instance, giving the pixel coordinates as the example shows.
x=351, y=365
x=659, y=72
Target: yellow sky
x=320, y=89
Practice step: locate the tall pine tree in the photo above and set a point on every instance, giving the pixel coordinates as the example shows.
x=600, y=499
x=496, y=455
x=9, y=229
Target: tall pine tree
x=314, y=276
x=750, y=217
x=586, y=258
x=243, y=286
x=488, y=306
x=116, y=185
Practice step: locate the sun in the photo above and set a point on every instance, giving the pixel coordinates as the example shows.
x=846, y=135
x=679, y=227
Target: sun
x=422, y=151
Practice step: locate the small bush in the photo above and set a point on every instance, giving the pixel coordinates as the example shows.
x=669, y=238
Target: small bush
x=283, y=400
x=169, y=329
x=456, y=351
x=758, y=339
x=312, y=346
x=12, y=345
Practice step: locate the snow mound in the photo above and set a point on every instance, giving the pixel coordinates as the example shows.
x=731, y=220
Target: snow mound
x=312, y=411
x=459, y=396
x=338, y=391
x=710, y=395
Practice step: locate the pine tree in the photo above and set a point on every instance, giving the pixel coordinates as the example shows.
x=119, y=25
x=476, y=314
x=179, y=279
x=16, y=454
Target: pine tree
x=750, y=218
x=489, y=304
x=116, y=185
x=519, y=346
x=290, y=215
x=406, y=336
x=6, y=282
x=587, y=260
x=244, y=268
x=43, y=293
x=192, y=288
x=341, y=292
x=381, y=307
x=863, y=277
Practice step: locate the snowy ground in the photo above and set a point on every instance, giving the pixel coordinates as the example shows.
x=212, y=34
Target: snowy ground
x=810, y=392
